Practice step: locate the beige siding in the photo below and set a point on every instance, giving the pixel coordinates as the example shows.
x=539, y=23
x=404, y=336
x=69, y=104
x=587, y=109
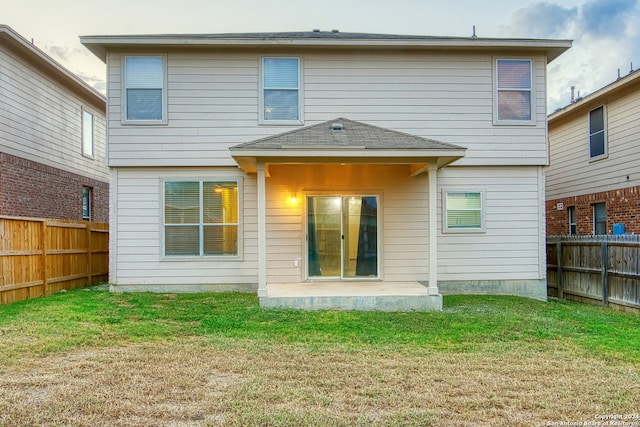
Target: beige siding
x=511, y=248
x=213, y=104
x=41, y=120
x=571, y=171
x=137, y=243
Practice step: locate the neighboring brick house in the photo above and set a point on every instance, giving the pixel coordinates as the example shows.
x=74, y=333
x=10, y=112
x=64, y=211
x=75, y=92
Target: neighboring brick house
x=593, y=181
x=52, y=137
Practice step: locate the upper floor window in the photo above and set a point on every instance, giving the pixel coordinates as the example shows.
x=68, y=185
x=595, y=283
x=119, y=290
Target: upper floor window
x=144, y=87
x=463, y=211
x=201, y=218
x=281, y=95
x=514, y=94
x=87, y=133
x=597, y=133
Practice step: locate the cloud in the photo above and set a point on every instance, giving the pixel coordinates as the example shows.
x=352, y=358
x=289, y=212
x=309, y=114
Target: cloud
x=541, y=20
x=59, y=53
x=606, y=38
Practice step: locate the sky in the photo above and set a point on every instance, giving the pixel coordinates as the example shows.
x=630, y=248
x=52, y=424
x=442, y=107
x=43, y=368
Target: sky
x=605, y=33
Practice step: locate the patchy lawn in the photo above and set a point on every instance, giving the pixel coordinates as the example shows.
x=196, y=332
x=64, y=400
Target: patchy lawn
x=88, y=357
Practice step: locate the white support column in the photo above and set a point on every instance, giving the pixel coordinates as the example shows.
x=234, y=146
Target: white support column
x=262, y=231
x=433, y=229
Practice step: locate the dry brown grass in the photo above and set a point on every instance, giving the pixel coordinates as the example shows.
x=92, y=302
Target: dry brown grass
x=199, y=382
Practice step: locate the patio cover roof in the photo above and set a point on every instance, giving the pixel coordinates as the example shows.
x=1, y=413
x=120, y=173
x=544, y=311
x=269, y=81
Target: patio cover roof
x=346, y=141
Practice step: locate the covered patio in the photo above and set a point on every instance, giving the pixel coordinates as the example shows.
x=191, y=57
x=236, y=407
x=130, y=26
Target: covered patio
x=318, y=155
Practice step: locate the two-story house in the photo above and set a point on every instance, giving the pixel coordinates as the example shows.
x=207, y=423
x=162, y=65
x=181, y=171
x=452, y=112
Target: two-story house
x=593, y=181
x=335, y=167
x=53, y=161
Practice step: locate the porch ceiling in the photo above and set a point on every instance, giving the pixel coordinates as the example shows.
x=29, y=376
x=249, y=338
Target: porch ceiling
x=346, y=141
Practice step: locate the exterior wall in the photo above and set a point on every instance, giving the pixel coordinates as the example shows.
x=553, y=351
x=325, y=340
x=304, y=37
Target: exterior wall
x=575, y=180
x=41, y=120
x=622, y=207
x=42, y=168
x=32, y=189
x=507, y=255
x=213, y=104
x=136, y=236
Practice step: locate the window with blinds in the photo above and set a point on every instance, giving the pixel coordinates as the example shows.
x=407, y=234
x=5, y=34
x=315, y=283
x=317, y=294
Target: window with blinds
x=514, y=90
x=87, y=133
x=281, y=90
x=201, y=218
x=463, y=210
x=144, y=88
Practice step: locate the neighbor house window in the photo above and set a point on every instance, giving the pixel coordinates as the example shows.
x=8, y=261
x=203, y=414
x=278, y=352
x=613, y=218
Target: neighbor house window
x=514, y=97
x=144, y=87
x=572, y=220
x=599, y=219
x=281, y=99
x=463, y=211
x=597, y=134
x=87, y=194
x=200, y=218
x=87, y=133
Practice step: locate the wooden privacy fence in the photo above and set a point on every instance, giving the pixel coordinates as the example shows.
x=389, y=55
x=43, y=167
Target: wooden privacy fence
x=40, y=256
x=595, y=269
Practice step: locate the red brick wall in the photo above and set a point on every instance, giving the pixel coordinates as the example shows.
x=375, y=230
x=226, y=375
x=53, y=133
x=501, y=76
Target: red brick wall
x=622, y=206
x=35, y=190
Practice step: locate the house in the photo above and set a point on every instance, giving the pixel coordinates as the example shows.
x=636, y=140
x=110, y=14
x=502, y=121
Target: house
x=327, y=169
x=593, y=180
x=53, y=161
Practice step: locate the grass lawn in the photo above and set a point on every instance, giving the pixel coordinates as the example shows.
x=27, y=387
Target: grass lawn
x=92, y=358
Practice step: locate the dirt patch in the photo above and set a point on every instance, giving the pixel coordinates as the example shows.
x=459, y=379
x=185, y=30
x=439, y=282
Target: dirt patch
x=199, y=383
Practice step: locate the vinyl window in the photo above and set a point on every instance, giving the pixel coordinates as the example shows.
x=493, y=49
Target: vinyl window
x=280, y=94
x=514, y=94
x=597, y=133
x=463, y=211
x=572, y=220
x=144, y=89
x=201, y=218
x=87, y=196
x=87, y=134
x=599, y=219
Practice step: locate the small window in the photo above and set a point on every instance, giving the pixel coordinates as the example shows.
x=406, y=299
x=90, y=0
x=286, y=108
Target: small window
x=144, y=88
x=571, y=210
x=200, y=218
x=599, y=219
x=463, y=211
x=281, y=91
x=87, y=133
x=87, y=195
x=514, y=90
x=597, y=134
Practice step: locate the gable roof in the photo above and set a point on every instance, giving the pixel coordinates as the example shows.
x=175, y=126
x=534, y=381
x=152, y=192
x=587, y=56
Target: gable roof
x=39, y=60
x=100, y=45
x=343, y=140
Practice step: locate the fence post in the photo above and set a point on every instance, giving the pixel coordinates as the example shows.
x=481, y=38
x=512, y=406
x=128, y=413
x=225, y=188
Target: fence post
x=559, y=268
x=605, y=272
x=89, y=250
x=45, y=272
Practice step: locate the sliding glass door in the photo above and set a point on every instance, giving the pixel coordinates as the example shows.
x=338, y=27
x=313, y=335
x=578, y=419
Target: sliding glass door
x=342, y=237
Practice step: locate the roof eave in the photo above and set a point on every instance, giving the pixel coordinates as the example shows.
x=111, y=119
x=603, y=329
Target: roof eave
x=99, y=45
x=248, y=159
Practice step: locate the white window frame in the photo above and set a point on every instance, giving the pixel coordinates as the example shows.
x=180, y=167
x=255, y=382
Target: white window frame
x=202, y=257
x=88, y=147
x=496, y=89
x=595, y=220
x=603, y=131
x=300, y=89
x=445, y=224
x=124, y=119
